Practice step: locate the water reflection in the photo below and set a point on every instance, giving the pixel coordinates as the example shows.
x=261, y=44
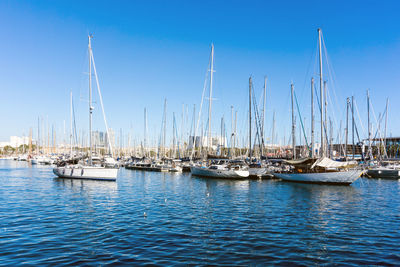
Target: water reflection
x=82, y=185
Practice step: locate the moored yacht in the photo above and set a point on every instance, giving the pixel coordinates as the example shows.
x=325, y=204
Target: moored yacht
x=93, y=168
x=221, y=170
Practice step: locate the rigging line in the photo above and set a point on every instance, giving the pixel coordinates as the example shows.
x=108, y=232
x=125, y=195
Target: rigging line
x=359, y=118
x=333, y=112
x=74, y=123
x=312, y=56
x=200, y=108
x=358, y=137
x=101, y=103
x=378, y=123
x=324, y=124
x=177, y=137
x=331, y=73
x=301, y=122
x=258, y=125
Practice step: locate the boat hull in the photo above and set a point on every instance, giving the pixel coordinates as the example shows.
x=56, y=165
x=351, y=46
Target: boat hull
x=231, y=174
x=339, y=178
x=384, y=173
x=91, y=173
x=257, y=172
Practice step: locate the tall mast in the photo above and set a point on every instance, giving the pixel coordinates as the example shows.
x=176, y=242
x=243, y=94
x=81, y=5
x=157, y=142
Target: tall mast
x=273, y=131
x=38, y=138
x=325, y=120
x=312, y=117
x=263, y=115
x=234, y=137
x=180, y=140
x=173, y=135
x=145, y=133
x=165, y=128
x=330, y=138
x=321, y=93
x=386, y=117
x=71, y=130
x=231, y=139
x=347, y=127
x=293, y=123
x=369, y=127
x=221, y=143
x=54, y=140
x=352, y=124
x=90, y=102
x=194, y=132
x=250, y=84
x=209, y=145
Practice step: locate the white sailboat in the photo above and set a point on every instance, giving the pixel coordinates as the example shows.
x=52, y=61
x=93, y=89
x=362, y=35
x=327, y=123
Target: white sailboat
x=224, y=170
x=214, y=170
x=321, y=170
x=92, y=169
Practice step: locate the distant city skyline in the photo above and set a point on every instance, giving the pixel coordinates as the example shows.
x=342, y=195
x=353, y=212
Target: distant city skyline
x=146, y=52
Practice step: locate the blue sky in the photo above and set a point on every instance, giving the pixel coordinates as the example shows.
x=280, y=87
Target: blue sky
x=146, y=51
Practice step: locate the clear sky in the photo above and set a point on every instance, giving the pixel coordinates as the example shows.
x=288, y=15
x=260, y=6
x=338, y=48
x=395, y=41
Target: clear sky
x=146, y=51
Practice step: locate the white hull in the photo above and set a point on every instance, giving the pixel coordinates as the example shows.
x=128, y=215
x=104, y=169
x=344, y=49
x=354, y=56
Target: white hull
x=175, y=169
x=87, y=172
x=345, y=177
x=201, y=171
x=257, y=171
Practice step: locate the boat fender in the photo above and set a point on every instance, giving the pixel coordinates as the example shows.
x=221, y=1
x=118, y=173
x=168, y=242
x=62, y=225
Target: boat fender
x=82, y=172
x=72, y=171
x=63, y=171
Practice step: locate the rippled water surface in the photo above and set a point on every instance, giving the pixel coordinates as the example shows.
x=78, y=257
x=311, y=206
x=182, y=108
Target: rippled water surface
x=176, y=219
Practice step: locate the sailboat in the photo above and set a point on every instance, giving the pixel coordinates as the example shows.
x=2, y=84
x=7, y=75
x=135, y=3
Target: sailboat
x=322, y=169
x=94, y=168
x=216, y=169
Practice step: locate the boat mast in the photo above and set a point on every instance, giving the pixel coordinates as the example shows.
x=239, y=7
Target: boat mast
x=165, y=128
x=369, y=127
x=38, y=138
x=145, y=133
x=182, y=133
x=209, y=145
x=173, y=135
x=70, y=135
x=321, y=93
x=325, y=121
x=90, y=102
x=194, y=132
x=312, y=117
x=352, y=124
x=386, y=117
x=250, y=84
x=273, y=132
x=347, y=126
x=234, y=136
x=263, y=116
x=221, y=143
x=231, y=139
x=330, y=138
x=293, y=123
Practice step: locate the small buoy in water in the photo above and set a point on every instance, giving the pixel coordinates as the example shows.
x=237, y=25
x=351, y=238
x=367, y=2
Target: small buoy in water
x=208, y=194
x=165, y=200
x=144, y=214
